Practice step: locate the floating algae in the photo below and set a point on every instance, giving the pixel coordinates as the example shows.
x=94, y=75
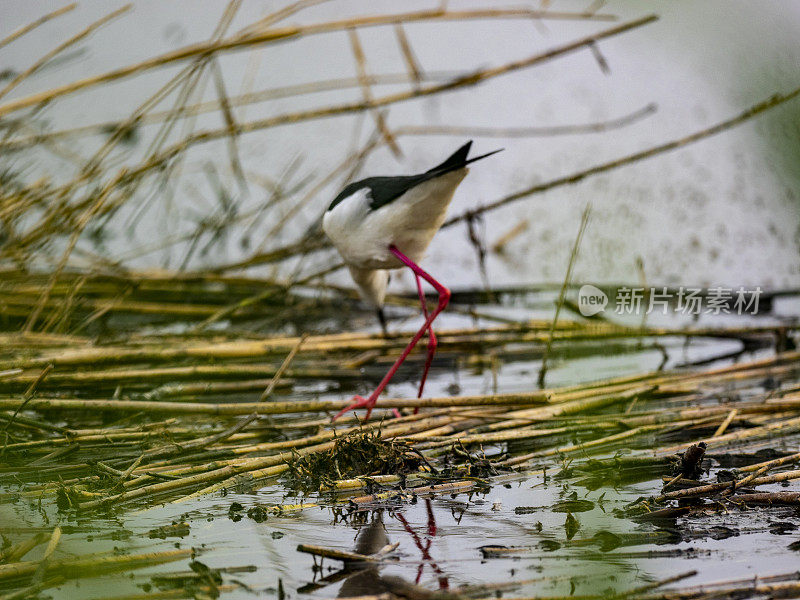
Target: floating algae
x=361, y=453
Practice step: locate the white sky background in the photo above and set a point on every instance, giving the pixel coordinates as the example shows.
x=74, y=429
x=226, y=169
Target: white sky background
x=723, y=211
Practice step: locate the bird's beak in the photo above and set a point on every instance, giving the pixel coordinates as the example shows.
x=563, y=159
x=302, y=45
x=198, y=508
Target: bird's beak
x=382, y=320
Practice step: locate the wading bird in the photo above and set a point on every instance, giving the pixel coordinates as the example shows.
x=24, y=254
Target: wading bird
x=383, y=223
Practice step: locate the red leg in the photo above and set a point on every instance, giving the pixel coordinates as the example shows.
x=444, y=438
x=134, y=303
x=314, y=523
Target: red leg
x=444, y=298
x=432, y=343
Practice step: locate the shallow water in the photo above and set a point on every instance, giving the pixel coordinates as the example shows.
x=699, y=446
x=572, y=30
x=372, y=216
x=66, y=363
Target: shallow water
x=440, y=537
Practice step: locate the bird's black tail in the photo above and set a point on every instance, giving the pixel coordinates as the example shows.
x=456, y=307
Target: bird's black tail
x=459, y=160
x=455, y=161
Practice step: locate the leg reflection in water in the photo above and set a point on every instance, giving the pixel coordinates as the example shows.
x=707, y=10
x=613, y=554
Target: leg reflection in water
x=425, y=548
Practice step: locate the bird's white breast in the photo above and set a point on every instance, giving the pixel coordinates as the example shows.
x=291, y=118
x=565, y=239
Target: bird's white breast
x=363, y=235
x=343, y=224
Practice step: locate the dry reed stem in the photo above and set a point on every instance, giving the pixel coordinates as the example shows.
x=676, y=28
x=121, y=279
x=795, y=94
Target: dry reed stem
x=398, y=427
x=770, y=463
x=231, y=473
x=755, y=110
x=110, y=377
x=301, y=406
x=44, y=563
x=230, y=123
x=280, y=15
x=415, y=71
x=524, y=132
x=38, y=22
x=440, y=439
x=241, y=349
x=769, y=498
x=610, y=439
x=27, y=396
x=32, y=591
x=332, y=553
x=200, y=591
x=47, y=57
x=187, y=310
x=768, y=430
x=271, y=36
x=637, y=591
x=93, y=205
x=724, y=425
x=460, y=82
x=323, y=85
x=366, y=92
x=714, y=488
x=346, y=485
x=172, y=152
x=748, y=589
x=82, y=222
x=429, y=419
x=194, y=471
x=73, y=565
x=746, y=481
x=282, y=369
x=563, y=291
x=17, y=551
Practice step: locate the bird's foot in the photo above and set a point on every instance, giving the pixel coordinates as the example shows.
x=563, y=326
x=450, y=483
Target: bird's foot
x=361, y=402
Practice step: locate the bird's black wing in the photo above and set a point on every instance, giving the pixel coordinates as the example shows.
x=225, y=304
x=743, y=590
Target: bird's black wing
x=384, y=190
x=348, y=190
x=388, y=189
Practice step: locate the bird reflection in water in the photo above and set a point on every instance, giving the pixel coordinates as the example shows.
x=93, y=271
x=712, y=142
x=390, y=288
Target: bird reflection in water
x=366, y=578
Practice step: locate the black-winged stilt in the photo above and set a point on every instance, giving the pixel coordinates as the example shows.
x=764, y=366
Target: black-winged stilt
x=383, y=223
